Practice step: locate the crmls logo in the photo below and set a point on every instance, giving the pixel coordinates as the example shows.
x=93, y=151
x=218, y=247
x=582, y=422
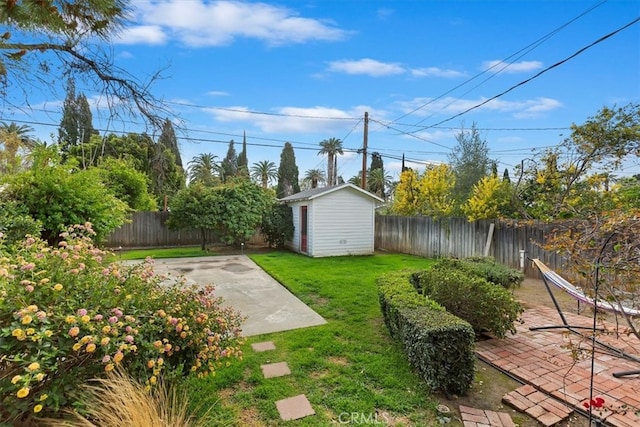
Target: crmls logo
x=354, y=418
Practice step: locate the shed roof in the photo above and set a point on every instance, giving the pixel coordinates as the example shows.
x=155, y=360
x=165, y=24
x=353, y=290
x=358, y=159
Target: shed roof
x=321, y=191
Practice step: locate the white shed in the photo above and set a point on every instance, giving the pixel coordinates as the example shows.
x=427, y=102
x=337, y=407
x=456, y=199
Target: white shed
x=333, y=221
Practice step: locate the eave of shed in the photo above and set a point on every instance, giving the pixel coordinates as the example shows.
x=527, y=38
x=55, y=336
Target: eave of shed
x=322, y=191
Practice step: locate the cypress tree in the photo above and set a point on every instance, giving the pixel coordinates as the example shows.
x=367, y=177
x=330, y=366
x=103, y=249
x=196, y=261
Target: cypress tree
x=287, y=173
x=229, y=163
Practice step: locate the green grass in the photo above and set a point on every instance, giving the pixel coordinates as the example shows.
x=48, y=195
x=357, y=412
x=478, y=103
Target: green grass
x=181, y=252
x=348, y=366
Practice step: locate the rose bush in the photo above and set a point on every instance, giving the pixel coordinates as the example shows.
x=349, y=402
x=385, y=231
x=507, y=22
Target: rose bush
x=68, y=315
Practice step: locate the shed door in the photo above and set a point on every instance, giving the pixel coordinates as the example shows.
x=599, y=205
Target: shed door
x=303, y=229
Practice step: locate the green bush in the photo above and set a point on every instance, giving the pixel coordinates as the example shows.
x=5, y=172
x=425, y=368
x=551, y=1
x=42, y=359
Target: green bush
x=68, y=315
x=277, y=225
x=485, y=306
x=439, y=345
x=487, y=268
x=16, y=223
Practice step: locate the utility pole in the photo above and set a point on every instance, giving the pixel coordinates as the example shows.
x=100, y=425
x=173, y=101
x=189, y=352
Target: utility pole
x=364, y=150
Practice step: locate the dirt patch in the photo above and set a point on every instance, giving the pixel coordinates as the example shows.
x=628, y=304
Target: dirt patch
x=340, y=361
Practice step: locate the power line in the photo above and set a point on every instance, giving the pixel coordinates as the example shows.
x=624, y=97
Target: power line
x=527, y=49
x=557, y=64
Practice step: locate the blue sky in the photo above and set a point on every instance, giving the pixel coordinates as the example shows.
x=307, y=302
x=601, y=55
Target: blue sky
x=303, y=71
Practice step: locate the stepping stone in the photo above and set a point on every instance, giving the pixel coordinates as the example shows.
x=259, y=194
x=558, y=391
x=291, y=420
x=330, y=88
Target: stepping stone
x=273, y=370
x=294, y=408
x=263, y=346
x=479, y=417
x=545, y=409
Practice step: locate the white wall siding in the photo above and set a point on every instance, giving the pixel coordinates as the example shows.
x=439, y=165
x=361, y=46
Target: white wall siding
x=343, y=224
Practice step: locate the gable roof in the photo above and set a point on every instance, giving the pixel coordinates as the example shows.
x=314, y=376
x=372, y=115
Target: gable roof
x=321, y=191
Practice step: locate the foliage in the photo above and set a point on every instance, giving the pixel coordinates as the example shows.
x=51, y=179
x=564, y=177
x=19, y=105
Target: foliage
x=127, y=184
x=435, y=197
x=439, y=345
x=487, y=268
x=233, y=210
x=204, y=169
x=15, y=140
x=59, y=196
x=277, y=225
x=312, y=178
x=120, y=400
x=490, y=199
x=470, y=162
x=287, y=173
x=602, y=251
x=242, y=160
x=378, y=180
x=76, y=124
x=168, y=139
x=405, y=200
x=554, y=187
x=331, y=148
x=485, y=306
x=46, y=41
x=263, y=172
x=16, y=223
x=68, y=315
x=229, y=165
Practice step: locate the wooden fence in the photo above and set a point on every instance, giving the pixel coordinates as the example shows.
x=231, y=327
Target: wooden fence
x=149, y=230
x=421, y=236
x=457, y=237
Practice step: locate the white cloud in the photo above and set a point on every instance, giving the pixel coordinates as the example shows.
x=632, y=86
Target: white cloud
x=217, y=93
x=142, y=34
x=448, y=106
x=436, y=72
x=384, y=13
x=516, y=67
x=366, y=66
x=201, y=23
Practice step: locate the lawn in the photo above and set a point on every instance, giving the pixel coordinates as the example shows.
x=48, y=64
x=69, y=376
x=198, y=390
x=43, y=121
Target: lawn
x=349, y=369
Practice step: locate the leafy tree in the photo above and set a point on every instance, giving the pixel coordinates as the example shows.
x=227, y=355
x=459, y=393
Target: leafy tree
x=15, y=222
x=243, y=162
x=263, y=172
x=435, y=196
x=128, y=184
x=567, y=187
x=331, y=148
x=627, y=191
x=60, y=195
x=470, y=162
x=229, y=165
x=490, y=199
x=313, y=177
x=47, y=41
x=406, y=196
x=287, y=173
x=76, y=125
x=13, y=139
x=277, y=225
x=233, y=211
x=167, y=176
x=204, y=169
x=169, y=141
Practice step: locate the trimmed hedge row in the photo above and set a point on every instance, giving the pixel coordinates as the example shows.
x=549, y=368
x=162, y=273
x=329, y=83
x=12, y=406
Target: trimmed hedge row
x=487, y=268
x=486, y=306
x=439, y=345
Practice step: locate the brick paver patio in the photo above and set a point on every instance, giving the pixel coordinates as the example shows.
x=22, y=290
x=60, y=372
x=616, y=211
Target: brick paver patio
x=542, y=359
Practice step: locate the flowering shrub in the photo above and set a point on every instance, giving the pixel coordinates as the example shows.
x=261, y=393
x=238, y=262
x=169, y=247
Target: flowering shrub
x=68, y=315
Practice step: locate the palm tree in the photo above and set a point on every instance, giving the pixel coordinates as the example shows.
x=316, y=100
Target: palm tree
x=313, y=177
x=13, y=138
x=331, y=147
x=378, y=181
x=356, y=180
x=264, y=171
x=204, y=168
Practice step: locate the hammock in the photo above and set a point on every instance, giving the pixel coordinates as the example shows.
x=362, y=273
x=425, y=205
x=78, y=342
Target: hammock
x=558, y=281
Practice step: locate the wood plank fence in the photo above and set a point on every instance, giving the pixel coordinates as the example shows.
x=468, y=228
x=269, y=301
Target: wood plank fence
x=457, y=237
x=420, y=236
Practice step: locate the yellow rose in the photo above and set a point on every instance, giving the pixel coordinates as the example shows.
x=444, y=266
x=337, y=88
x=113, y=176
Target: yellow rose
x=44, y=397
x=85, y=318
x=23, y=392
x=118, y=357
x=33, y=367
x=26, y=320
x=15, y=379
x=48, y=333
x=70, y=319
x=37, y=408
x=150, y=364
x=32, y=308
x=40, y=376
x=109, y=367
x=57, y=287
x=91, y=347
x=105, y=341
x=30, y=331
x=77, y=346
x=153, y=380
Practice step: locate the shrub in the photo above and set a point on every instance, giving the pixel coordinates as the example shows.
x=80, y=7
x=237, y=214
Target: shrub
x=485, y=306
x=16, y=223
x=487, y=268
x=68, y=315
x=439, y=345
x=277, y=225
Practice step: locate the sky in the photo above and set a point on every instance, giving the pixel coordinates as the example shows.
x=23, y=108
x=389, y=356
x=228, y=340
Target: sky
x=307, y=70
